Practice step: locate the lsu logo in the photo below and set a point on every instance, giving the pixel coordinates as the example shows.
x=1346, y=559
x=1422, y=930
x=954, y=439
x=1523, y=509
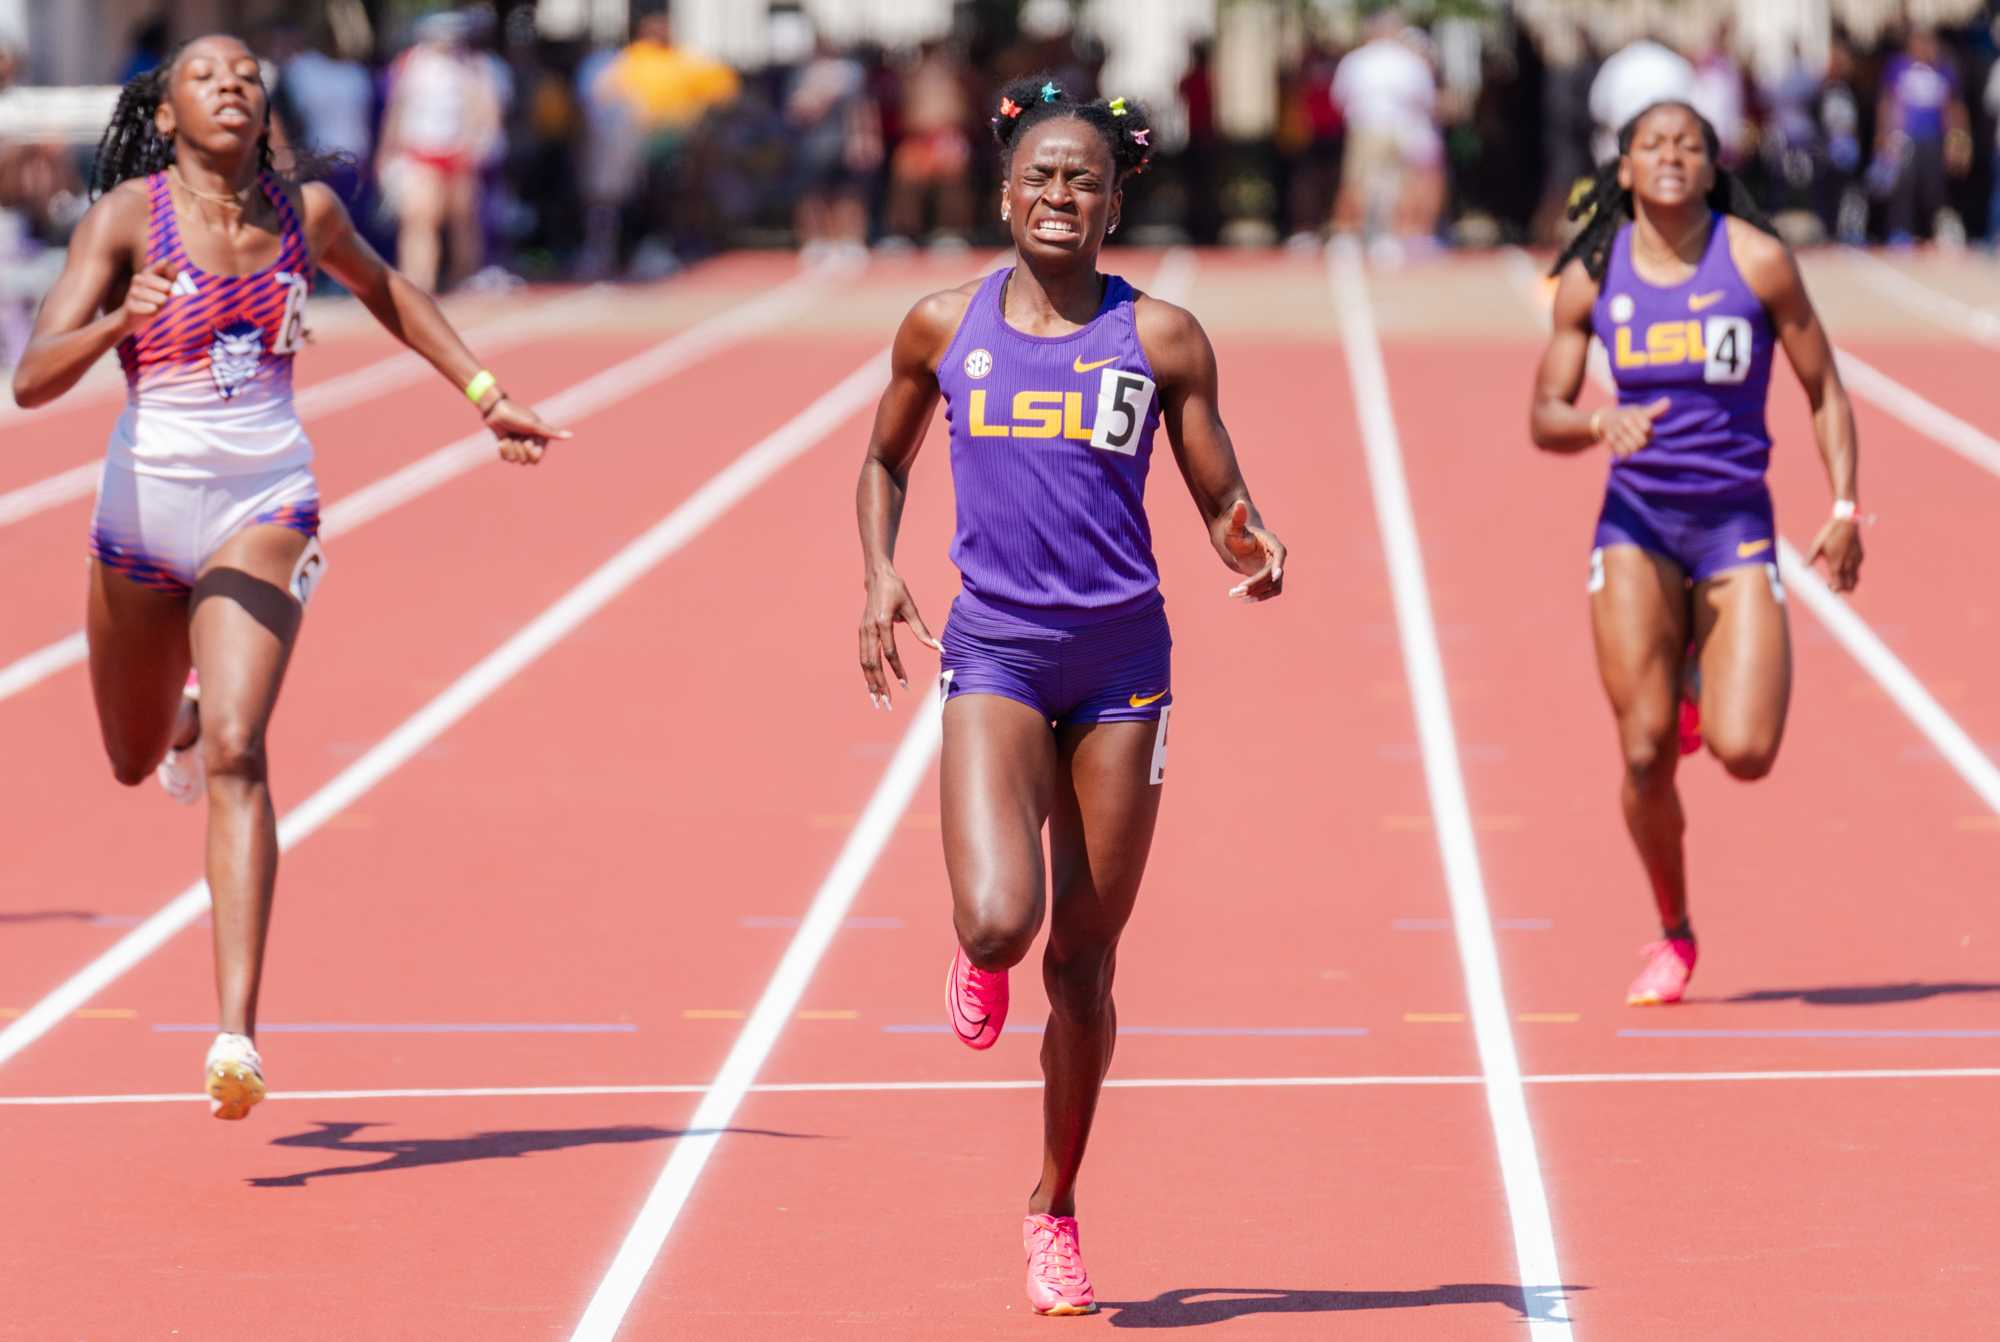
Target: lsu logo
x=234, y=356
x=1720, y=345
x=1123, y=398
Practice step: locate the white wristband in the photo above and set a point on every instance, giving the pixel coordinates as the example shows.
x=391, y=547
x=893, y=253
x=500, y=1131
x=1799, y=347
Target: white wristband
x=1843, y=510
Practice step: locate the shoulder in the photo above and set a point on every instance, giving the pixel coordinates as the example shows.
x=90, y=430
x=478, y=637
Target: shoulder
x=1175, y=344
x=319, y=206
x=939, y=314
x=928, y=328
x=1764, y=262
x=118, y=218
x=1576, y=294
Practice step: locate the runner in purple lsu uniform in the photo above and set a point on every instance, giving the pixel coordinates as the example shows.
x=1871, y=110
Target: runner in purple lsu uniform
x=1056, y=656
x=1679, y=275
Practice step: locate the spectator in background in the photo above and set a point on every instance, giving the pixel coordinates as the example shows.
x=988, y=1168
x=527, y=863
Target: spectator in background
x=329, y=105
x=1718, y=95
x=1633, y=79
x=1922, y=135
x=442, y=117
x=838, y=140
x=150, y=38
x=1393, y=169
x=1311, y=133
x=934, y=160
x=1843, y=200
x=1201, y=159
x=1569, y=68
x=1992, y=102
x=652, y=97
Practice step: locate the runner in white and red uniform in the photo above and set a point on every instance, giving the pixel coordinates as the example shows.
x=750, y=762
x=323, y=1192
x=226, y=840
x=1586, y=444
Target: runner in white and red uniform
x=194, y=263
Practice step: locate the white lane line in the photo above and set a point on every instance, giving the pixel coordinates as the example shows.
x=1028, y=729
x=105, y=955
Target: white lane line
x=1927, y=418
x=1035, y=1083
x=1840, y=619
x=1918, y=704
x=871, y=833
x=714, y=498
x=830, y=904
x=1423, y=663
x=664, y=360
x=1932, y=304
x=336, y=393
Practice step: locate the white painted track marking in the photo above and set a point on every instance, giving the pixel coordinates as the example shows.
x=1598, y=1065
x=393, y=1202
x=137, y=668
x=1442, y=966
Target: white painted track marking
x=1423, y=664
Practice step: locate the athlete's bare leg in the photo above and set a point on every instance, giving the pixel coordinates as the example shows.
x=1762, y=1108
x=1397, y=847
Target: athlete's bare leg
x=997, y=781
x=1746, y=669
x=1100, y=832
x=1640, y=620
x=138, y=664
x=244, y=625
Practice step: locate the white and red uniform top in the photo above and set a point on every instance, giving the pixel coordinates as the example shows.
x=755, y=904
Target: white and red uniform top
x=210, y=380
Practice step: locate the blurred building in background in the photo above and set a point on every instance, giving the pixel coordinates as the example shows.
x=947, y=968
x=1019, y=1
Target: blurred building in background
x=625, y=137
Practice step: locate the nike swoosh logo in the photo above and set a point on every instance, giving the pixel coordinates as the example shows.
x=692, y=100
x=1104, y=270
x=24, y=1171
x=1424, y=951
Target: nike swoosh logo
x=1137, y=702
x=1083, y=367
x=1750, y=549
x=1699, y=302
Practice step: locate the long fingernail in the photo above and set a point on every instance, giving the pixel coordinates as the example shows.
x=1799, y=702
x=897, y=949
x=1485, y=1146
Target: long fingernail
x=904, y=683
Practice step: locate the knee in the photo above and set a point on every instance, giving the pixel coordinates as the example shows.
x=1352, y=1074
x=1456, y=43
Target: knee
x=1745, y=759
x=996, y=933
x=233, y=751
x=1649, y=760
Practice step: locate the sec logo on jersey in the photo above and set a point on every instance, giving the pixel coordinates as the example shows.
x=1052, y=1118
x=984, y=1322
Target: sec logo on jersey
x=978, y=364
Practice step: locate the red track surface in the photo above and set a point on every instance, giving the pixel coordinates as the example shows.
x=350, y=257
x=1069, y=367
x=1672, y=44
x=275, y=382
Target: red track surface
x=587, y=846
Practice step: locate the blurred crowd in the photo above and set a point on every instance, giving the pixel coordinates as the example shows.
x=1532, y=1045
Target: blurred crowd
x=477, y=152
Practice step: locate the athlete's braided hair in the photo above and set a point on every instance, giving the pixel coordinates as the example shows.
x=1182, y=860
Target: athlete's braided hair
x=1604, y=206
x=1125, y=125
x=132, y=145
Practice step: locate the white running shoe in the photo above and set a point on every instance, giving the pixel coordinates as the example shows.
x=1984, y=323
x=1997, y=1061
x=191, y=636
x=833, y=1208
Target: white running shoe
x=234, y=1076
x=182, y=774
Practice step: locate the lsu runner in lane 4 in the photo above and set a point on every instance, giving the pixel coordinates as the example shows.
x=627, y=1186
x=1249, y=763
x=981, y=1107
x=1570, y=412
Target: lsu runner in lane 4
x=194, y=264
x=1680, y=276
x=1056, y=657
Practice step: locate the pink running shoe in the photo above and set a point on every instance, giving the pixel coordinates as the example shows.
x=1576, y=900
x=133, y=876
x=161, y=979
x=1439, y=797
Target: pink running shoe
x=1669, y=964
x=975, y=1002
x=1690, y=726
x=1057, y=1283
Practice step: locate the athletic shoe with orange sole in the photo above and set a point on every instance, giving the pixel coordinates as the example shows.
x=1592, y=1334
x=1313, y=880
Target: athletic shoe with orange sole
x=1057, y=1283
x=1669, y=965
x=975, y=1002
x=233, y=1076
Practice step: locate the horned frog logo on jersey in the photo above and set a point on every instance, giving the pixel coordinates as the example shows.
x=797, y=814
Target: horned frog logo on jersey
x=234, y=358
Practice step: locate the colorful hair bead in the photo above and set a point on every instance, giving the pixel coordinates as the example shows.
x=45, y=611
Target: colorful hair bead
x=1050, y=93
x=1118, y=107
x=1143, y=136
x=1009, y=108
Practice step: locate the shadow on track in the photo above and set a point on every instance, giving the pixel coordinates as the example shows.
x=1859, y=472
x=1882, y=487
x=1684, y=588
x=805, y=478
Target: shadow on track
x=1876, y=994
x=1196, y=1307
x=409, y=1153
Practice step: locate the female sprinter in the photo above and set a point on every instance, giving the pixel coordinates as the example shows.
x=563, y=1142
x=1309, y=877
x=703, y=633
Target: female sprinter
x=1681, y=277
x=1056, y=655
x=194, y=263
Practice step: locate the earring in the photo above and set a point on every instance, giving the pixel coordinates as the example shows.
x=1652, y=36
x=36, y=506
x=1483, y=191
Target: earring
x=1112, y=229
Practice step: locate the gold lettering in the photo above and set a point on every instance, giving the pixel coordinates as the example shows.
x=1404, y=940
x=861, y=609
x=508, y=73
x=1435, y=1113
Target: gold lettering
x=980, y=428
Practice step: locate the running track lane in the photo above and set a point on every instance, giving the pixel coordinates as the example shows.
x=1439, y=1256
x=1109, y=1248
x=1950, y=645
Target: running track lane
x=611, y=859
x=1746, y=1211
x=1291, y=841
x=621, y=841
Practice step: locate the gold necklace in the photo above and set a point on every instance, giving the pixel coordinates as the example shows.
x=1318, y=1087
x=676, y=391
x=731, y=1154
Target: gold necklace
x=241, y=201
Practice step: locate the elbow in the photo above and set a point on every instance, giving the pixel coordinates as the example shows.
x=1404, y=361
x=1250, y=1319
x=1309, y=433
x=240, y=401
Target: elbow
x=29, y=391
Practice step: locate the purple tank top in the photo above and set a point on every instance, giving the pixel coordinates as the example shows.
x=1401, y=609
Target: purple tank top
x=1706, y=346
x=1051, y=437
